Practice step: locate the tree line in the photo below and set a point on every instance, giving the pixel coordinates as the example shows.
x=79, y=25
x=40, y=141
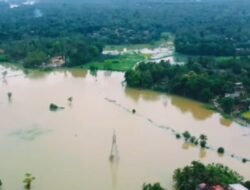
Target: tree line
x=203, y=79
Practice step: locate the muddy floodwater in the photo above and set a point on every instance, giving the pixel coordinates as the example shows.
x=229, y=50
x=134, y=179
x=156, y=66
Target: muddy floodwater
x=70, y=148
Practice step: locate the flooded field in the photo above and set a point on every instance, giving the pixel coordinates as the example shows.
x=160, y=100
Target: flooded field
x=70, y=148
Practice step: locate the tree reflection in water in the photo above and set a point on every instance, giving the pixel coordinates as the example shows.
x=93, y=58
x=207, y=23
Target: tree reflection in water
x=185, y=105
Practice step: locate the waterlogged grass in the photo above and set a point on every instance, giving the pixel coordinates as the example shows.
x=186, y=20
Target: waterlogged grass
x=116, y=63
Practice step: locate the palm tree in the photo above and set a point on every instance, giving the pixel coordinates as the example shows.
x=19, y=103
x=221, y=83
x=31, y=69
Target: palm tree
x=28, y=180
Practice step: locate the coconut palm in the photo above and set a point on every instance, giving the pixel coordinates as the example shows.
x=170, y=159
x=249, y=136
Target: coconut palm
x=28, y=180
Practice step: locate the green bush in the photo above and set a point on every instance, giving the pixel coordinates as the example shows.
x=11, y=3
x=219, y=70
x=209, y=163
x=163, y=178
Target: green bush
x=221, y=150
x=156, y=186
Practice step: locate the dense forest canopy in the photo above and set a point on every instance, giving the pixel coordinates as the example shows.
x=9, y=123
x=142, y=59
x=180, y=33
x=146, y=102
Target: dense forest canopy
x=200, y=27
x=208, y=24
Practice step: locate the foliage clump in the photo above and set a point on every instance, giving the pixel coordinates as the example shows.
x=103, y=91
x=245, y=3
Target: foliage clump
x=221, y=150
x=156, y=186
x=28, y=180
x=54, y=107
x=189, y=177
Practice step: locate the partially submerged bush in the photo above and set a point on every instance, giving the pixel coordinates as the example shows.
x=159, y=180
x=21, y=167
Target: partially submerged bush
x=221, y=150
x=28, y=180
x=54, y=107
x=186, y=135
x=244, y=160
x=9, y=94
x=203, y=144
x=178, y=136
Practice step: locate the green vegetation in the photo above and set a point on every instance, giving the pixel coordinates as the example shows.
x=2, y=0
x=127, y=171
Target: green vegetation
x=156, y=186
x=28, y=180
x=35, y=59
x=189, y=177
x=116, y=63
x=247, y=184
x=151, y=45
x=70, y=99
x=186, y=135
x=246, y=115
x=203, y=144
x=223, y=83
x=3, y=59
x=206, y=28
x=9, y=94
x=54, y=107
x=39, y=52
x=202, y=140
x=178, y=136
x=220, y=150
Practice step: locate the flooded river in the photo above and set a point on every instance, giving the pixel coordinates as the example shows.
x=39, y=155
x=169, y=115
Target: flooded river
x=70, y=148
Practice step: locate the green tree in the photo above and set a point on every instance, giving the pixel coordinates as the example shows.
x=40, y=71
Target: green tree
x=227, y=105
x=28, y=180
x=35, y=59
x=247, y=184
x=186, y=135
x=189, y=177
x=156, y=186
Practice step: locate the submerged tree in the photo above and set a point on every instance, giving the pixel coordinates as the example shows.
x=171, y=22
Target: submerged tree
x=70, y=99
x=54, y=107
x=186, y=135
x=9, y=95
x=203, y=137
x=220, y=150
x=203, y=144
x=28, y=180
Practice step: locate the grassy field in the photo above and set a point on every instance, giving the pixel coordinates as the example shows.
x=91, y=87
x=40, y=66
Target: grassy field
x=117, y=63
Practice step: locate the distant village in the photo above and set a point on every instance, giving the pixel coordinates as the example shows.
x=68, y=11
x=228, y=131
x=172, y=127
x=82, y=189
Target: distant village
x=241, y=109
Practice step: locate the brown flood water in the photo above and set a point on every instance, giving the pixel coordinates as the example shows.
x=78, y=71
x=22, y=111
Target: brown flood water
x=69, y=149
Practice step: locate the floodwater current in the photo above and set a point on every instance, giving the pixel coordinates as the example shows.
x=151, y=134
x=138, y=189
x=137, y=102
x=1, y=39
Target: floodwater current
x=70, y=148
